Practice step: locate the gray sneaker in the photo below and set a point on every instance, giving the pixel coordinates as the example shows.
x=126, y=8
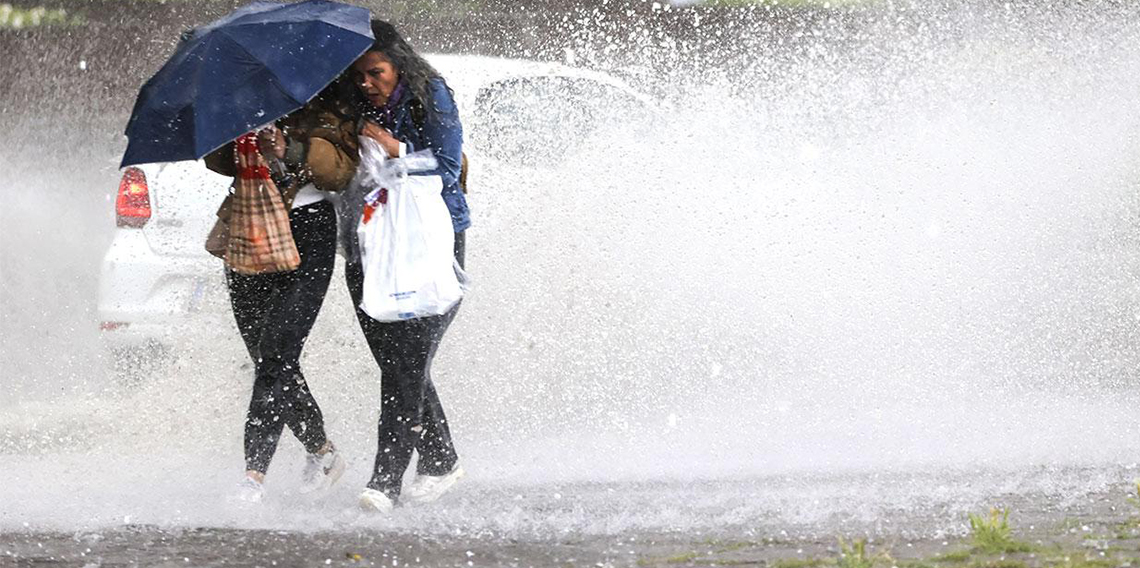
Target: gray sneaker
x=322, y=471
x=250, y=491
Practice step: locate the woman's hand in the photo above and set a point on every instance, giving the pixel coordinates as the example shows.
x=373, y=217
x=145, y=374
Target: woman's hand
x=385, y=138
x=271, y=141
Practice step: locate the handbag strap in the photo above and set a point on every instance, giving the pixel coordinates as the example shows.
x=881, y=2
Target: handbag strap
x=248, y=159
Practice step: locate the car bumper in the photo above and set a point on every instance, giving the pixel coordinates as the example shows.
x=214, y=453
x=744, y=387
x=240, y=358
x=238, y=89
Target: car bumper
x=147, y=299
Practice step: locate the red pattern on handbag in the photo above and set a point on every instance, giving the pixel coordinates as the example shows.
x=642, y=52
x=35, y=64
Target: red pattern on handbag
x=260, y=240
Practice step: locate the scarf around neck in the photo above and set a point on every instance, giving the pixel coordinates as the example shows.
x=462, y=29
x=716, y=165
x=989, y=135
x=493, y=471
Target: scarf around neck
x=385, y=115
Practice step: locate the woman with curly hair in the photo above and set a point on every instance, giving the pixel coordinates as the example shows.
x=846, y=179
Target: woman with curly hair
x=406, y=106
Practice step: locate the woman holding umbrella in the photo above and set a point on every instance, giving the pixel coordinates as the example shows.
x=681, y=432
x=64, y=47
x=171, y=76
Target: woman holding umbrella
x=264, y=61
x=312, y=152
x=405, y=105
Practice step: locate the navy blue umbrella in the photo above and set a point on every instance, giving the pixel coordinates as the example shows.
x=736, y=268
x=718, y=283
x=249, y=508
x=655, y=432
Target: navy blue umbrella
x=245, y=70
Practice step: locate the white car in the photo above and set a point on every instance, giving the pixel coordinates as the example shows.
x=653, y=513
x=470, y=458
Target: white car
x=157, y=282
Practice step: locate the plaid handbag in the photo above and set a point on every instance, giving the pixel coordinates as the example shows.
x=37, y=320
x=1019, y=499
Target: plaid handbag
x=260, y=240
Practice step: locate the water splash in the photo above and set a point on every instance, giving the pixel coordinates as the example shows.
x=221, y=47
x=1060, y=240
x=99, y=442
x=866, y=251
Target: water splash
x=861, y=241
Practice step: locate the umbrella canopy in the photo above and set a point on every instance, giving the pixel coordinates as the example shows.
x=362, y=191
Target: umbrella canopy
x=245, y=70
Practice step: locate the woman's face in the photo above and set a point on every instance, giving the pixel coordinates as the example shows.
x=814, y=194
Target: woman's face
x=375, y=76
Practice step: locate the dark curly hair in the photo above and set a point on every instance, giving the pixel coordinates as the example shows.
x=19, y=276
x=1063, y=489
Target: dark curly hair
x=414, y=70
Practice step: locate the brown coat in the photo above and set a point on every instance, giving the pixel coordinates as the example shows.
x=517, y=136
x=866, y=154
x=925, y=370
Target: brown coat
x=322, y=149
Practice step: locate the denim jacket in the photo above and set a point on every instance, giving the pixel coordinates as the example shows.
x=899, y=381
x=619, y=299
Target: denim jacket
x=440, y=132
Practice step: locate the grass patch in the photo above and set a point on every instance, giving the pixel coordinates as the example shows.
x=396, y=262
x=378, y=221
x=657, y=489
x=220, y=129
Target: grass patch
x=733, y=563
x=1000, y=564
x=733, y=546
x=855, y=555
x=992, y=534
x=14, y=18
x=721, y=546
x=956, y=556
x=1090, y=563
x=695, y=557
x=798, y=563
x=1128, y=530
x=685, y=558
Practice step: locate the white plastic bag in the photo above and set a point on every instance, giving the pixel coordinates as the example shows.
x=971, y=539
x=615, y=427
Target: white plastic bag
x=406, y=238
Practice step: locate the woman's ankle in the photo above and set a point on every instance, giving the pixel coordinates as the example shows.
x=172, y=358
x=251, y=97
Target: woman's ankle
x=326, y=448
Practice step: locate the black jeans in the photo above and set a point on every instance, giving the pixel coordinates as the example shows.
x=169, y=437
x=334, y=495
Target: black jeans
x=411, y=415
x=274, y=314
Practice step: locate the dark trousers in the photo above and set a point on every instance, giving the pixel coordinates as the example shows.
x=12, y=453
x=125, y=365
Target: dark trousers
x=411, y=415
x=274, y=314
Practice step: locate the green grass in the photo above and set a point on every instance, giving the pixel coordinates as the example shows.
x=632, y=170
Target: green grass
x=1126, y=534
x=1130, y=528
x=992, y=534
x=1000, y=564
x=1090, y=563
x=692, y=557
x=685, y=558
x=991, y=544
x=14, y=18
x=799, y=563
x=743, y=562
x=854, y=555
x=956, y=556
x=719, y=545
x=732, y=546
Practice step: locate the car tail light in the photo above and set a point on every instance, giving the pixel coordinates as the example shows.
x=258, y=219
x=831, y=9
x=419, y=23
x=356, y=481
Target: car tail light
x=132, y=207
x=112, y=325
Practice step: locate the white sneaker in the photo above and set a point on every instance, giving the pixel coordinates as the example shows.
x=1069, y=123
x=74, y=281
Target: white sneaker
x=375, y=501
x=428, y=488
x=250, y=491
x=321, y=471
